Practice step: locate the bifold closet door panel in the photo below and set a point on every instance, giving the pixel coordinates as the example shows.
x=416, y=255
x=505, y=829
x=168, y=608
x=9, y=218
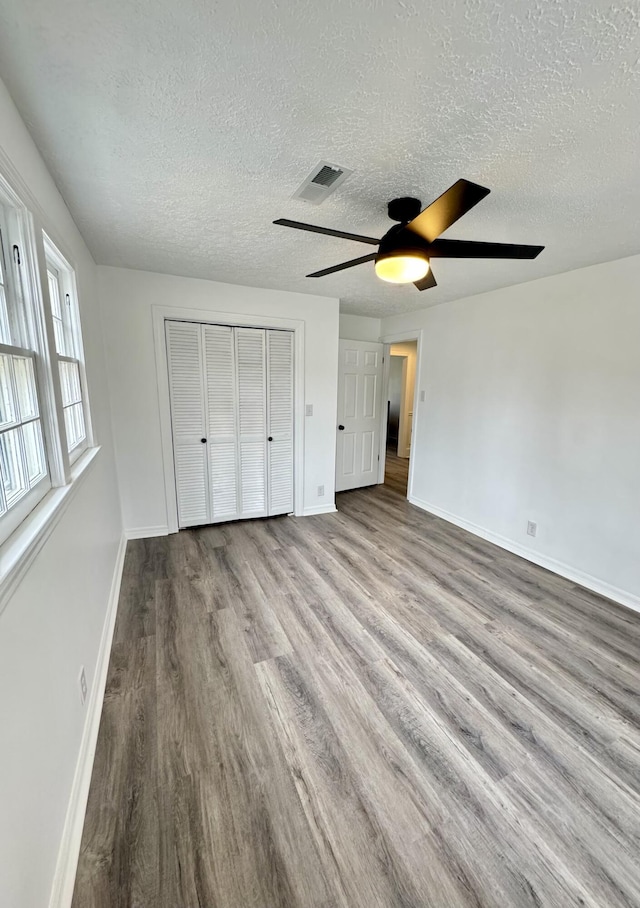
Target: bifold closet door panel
x=280, y=421
x=222, y=445
x=252, y=420
x=188, y=421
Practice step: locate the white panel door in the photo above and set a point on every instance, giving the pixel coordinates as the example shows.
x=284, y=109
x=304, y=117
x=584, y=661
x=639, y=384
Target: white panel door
x=188, y=421
x=280, y=421
x=252, y=420
x=222, y=428
x=359, y=402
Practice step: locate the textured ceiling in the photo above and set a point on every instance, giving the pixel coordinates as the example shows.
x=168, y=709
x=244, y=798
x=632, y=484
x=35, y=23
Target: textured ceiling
x=177, y=130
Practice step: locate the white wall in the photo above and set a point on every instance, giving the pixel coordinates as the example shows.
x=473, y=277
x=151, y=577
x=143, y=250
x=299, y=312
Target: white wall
x=359, y=328
x=127, y=297
x=532, y=412
x=53, y=622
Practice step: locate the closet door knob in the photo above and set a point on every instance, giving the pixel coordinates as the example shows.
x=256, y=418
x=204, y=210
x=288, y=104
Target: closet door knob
x=270, y=438
x=341, y=428
x=203, y=440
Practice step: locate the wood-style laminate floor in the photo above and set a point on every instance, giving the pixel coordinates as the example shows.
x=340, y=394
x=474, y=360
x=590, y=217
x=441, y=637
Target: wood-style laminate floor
x=366, y=709
x=396, y=472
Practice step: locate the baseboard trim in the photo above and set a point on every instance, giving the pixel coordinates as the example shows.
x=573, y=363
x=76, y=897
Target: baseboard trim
x=146, y=532
x=601, y=587
x=319, y=509
x=69, y=852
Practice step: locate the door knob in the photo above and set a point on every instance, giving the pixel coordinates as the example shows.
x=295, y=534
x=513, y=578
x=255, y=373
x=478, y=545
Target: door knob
x=203, y=440
x=341, y=428
x=270, y=438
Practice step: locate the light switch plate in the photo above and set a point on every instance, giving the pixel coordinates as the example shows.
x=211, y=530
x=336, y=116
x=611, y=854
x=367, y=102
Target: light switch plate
x=308, y=410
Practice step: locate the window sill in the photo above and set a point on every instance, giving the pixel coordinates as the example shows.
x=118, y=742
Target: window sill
x=76, y=453
x=21, y=548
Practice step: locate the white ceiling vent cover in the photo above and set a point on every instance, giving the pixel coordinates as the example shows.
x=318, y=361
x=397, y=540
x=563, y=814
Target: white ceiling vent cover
x=321, y=182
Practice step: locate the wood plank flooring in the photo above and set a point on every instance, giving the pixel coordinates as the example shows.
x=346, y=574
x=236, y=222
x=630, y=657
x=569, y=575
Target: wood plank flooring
x=366, y=709
x=396, y=472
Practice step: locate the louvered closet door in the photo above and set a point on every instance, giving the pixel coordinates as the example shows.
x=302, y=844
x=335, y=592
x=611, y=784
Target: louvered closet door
x=220, y=384
x=188, y=421
x=280, y=421
x=252, y=420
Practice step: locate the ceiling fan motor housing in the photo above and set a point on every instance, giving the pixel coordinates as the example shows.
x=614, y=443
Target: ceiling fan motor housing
x=399, y=241
x=404, y=209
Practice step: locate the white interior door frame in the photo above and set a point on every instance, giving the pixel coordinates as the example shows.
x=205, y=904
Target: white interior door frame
x=388, y=340
x=160, y=314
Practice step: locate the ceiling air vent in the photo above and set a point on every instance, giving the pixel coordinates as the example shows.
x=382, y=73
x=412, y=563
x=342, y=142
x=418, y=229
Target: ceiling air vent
x=321, y=182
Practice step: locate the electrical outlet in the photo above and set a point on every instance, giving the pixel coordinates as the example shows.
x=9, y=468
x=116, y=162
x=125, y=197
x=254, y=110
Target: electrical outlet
x=423, y=396
x=320, y=491
x=82, y=680
x=532, y=528
x=308, y=410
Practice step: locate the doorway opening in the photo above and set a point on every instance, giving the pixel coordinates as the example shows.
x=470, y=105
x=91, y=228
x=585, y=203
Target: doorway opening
x=401, y=385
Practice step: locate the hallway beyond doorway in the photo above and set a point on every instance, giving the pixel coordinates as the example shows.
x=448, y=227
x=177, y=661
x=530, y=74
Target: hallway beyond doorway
x=396, y=472
x=400, y=387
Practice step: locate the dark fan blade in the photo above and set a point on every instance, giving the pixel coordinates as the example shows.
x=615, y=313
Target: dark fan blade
x=298, y=225
x=468, y=249
x=360, y=261
x=446, y=210
x=427, y=282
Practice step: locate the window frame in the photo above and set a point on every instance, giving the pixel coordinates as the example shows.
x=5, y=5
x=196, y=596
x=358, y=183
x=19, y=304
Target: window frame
x=52, y=270
x=56, y=261
x=27, y=241
x=14, y=514
x=26, y=325
x=25, y=528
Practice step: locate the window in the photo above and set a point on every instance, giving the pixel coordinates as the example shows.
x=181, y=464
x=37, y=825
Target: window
x=44, y=418
x=22, y=460
x=68, y=343
x=24, y=473
x=59, y=327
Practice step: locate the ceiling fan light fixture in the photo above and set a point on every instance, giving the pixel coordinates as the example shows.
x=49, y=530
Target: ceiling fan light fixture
x=404, y=252
x=402, y=269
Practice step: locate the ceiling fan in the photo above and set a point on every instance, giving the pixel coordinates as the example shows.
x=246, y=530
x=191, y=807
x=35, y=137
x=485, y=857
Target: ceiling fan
x=405, y=251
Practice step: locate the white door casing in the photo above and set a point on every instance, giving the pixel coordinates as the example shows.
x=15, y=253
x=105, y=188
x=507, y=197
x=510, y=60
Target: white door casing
x=160, y=315
x=359, y=402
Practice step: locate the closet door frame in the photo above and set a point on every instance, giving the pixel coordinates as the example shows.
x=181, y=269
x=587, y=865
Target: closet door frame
x=160, y=314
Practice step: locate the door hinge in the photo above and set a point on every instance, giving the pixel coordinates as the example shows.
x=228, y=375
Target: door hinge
x=16, y=256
